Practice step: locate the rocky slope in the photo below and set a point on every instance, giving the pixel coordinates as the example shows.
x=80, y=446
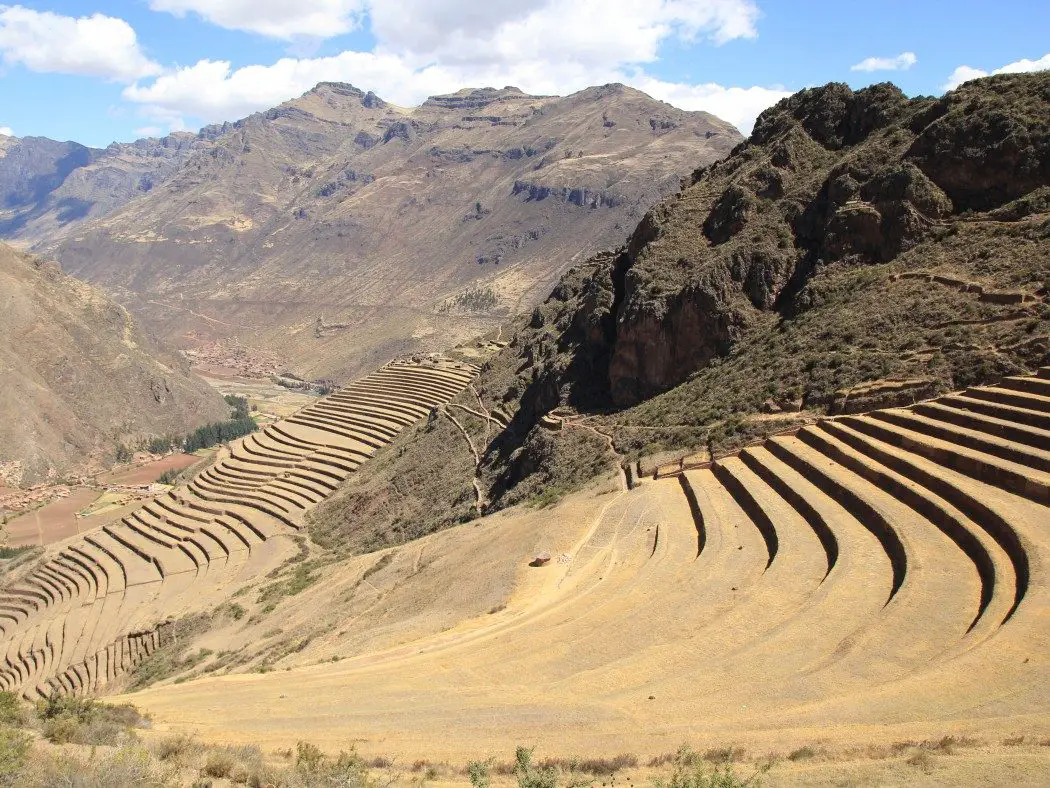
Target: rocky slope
x=338, y=230
x=77, y=376
x=49, y=188
x=861, y=249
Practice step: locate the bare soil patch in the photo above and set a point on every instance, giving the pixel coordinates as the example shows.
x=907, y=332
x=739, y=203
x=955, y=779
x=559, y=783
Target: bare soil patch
x=150, y=471
x=57, y=520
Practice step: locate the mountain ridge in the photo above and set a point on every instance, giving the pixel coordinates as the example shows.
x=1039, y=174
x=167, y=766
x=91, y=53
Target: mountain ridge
x=267, y=225
x=829, y=265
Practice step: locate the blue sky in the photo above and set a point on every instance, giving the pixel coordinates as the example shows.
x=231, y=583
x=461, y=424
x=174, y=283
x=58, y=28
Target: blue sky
x=102, y=70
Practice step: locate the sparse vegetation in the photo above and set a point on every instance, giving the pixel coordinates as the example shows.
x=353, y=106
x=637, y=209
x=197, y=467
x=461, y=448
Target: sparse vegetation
x=170, y=476
x=70, y=720
x=531, y=776
x=124, y=454
x=474, y=299
x=172, y=657
x=692, y=771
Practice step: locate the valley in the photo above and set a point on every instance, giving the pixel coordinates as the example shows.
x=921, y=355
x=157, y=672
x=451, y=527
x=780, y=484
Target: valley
x=571, y=424
x=337, y=230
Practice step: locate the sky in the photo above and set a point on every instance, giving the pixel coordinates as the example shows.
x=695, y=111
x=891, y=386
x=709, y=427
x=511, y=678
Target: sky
x=97, y=71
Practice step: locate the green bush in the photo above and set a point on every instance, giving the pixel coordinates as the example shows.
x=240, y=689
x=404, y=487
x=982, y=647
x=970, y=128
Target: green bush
x=239, y=406
x=170, y=476
x=12, y=710
x=69, y=720
x=530, y=776
x=315, y=769
x=691, y=771
x=478, y=772
x=14, y=750
x=60, y=730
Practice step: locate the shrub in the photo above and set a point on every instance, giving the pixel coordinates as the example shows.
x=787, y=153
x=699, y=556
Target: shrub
x=802, y=753
x=60, y=730
x=478, y=772
x=124, y=767
x=174, y=747
x=12, y=710
x=14, y=750
x=530, y=776
x=690, y=771
x=162, y=444
x=68, y=720
x=219, y=763
x=314, y=768
x=921, y=760
x=170, y=476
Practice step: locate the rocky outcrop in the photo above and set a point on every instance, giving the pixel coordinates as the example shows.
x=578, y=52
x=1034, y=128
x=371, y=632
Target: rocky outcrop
x=574, y=195
x=830, y=177
x=474, y=98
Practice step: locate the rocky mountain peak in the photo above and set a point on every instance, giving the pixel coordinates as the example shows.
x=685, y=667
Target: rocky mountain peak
x=475, y=98
x=337, y=88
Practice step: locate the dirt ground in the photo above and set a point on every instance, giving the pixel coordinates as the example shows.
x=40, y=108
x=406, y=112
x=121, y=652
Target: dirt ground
x=52, y=522
x=149, y=472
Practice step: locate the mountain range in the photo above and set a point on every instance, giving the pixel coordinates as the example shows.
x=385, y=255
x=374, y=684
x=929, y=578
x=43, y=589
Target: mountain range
x=338, y=230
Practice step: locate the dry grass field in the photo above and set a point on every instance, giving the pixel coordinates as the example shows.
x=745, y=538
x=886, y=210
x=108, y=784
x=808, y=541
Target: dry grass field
x=865, y=600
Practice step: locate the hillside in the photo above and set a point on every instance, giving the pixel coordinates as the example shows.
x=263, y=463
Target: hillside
x=771, y=479
x=77, y=376
x=859, y=250
x=49, y=188
x=866, y=598
x=338, y=230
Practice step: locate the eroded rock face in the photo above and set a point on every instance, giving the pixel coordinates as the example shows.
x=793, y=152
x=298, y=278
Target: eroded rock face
x=653, y=343
x=829, y=177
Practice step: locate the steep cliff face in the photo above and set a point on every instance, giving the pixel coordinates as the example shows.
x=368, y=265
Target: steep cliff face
x=831, y=262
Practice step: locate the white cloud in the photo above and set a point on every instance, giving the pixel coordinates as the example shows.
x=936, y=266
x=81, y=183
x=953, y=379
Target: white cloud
x=902, y=62
x=426, y=47
x=149, y=131
x=739, y=106
x=5, y=131
x=594, y=31
x=273, y=18
x=97, y=45
x=966, y=73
